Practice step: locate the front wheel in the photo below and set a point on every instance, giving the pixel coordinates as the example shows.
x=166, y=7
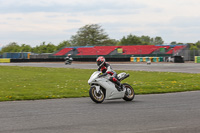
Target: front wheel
x=97, y=97
x=129, y=94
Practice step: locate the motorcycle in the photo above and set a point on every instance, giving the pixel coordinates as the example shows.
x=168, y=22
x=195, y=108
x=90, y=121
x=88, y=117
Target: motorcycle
x=68, y=61
x=102, y=88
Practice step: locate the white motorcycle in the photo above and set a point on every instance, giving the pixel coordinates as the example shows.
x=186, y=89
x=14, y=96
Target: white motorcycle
x=68, y=61
x=102, y=88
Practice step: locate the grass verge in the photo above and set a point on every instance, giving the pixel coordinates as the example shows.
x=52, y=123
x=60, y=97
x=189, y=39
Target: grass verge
x=31, y=83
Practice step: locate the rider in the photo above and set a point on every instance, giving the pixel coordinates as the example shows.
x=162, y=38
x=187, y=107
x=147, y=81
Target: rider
x=105, y=68
x=68, y=57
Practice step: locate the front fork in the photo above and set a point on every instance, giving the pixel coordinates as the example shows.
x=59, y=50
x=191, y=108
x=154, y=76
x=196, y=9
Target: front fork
x=97, y=89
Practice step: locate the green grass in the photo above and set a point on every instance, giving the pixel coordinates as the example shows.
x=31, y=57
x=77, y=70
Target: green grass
x=31, y=83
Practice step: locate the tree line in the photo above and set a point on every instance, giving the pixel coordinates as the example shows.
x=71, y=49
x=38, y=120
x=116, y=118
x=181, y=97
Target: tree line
x=90, y=35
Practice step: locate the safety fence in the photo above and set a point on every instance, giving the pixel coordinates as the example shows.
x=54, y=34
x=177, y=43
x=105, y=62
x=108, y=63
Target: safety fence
x=189, y=55
x=17, y=55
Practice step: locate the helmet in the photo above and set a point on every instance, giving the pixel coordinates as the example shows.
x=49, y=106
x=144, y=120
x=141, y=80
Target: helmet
x=69, y=55
x=100, y=61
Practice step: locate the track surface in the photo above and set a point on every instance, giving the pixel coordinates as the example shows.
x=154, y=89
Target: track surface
x=163, y=113
x=163, y=67
x=160, y=113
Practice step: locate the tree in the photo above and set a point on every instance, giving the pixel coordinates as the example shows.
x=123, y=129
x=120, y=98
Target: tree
x=180, y=43
x=131, y=40
x=146, y=40
x=157, y=40
x=143, y=40
x=198, y=44
x=11, y=47
x=63, y=44
x=50, y=48
x=35, y=49
x=173, y=43
x=193, y=47
x=111, y=42
x=91, y=34
x=25, y=48
x=43, y=48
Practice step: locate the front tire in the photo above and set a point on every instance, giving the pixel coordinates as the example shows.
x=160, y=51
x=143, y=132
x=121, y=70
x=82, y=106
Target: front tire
x=129, y=94
x=97, y=97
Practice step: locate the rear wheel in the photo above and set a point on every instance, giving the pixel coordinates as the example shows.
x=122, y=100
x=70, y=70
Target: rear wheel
x=129, y=94
x=97, y=97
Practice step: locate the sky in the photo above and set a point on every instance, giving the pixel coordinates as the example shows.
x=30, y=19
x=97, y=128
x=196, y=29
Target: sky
x=53, y=21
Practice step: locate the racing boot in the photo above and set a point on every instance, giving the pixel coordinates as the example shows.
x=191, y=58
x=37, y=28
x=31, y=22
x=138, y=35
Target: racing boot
x=120, y=87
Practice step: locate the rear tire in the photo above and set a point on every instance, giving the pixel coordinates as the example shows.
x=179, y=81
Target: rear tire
x=97, y=97
x=130, y=94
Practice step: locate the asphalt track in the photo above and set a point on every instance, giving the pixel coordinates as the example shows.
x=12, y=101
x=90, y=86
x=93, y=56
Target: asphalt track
x=163, y=113
x=157, y=113
x=163, y=67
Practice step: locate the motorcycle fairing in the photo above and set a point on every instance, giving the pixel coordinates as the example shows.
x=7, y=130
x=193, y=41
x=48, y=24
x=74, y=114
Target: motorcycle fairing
x=111, y=90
